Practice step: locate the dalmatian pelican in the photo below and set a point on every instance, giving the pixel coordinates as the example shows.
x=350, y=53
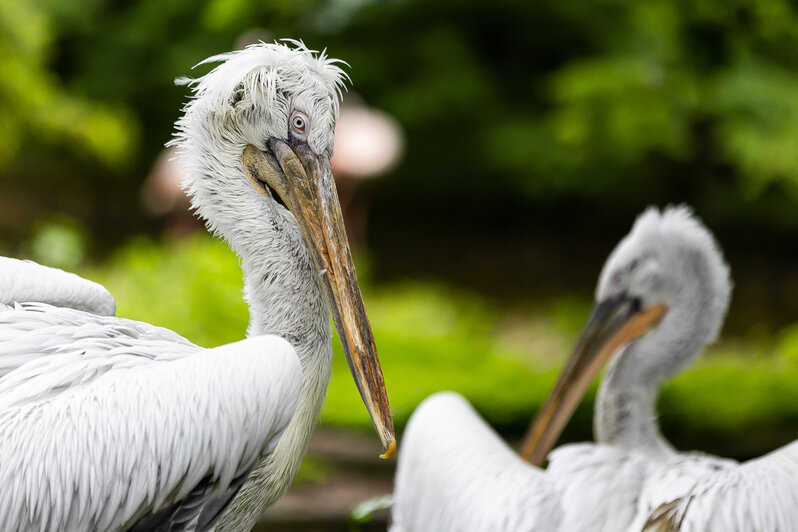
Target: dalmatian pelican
x=661, y=298
x=113, y=424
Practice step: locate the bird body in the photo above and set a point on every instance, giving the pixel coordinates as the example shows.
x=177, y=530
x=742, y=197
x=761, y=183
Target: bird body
x=760, y=494
x=604, y=488
x=104, y=419
x=119, y=425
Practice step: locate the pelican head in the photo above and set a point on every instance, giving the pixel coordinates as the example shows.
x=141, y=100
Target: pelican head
x=661, y=297
x=256, y=139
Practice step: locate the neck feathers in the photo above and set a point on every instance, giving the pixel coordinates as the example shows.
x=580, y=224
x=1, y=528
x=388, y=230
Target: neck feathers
x=282, y=286
x=625, y=412
x=626, y=417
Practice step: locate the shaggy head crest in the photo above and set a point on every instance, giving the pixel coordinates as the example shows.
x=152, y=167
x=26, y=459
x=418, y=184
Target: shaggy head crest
x=680, y=247
x=259, y=86
x=678, y=224
x=674, y=222
x=247, y=99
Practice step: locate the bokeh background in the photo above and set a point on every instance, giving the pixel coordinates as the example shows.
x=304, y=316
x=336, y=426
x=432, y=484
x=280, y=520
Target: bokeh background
x=528, y=137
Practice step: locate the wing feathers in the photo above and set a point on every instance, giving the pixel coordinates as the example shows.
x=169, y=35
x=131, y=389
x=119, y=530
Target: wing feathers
x=127, y=442
x=455, y=474
x=23, y=281
x=761, y=494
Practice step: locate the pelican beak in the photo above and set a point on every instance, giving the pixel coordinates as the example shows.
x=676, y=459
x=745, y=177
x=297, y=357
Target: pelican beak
x=612, y=324
x=304, y=181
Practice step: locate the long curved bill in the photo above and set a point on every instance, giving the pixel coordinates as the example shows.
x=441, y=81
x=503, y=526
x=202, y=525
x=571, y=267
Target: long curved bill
x=304, y=181
x=611, y=325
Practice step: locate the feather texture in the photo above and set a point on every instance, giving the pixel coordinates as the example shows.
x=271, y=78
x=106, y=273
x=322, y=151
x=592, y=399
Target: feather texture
x=113, y=420
x=456, y=474
x=761, y=494
x=604, y=488
x=22, y=281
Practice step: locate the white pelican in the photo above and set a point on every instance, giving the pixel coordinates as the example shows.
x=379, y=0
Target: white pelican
x=112, y=424
x=661, y=298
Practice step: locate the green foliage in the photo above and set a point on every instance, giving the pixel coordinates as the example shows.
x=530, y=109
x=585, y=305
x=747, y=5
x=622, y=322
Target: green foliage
x=757, y=118
x=193, y=287
x=35, y=106
x=533, y=100
x=733, y=405
x=60, y=244
x=431, y=339
x=363, y=512
x=692, y=85
x=788, y=344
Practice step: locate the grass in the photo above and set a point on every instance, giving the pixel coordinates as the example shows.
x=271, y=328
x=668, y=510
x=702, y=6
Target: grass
x=738, y=400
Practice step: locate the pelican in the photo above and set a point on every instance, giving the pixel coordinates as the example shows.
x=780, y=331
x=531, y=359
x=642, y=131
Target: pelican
x=661, y=298
x=113, y=424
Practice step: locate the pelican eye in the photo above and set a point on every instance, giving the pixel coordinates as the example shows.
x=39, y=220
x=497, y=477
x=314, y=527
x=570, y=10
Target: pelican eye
x=299, y=123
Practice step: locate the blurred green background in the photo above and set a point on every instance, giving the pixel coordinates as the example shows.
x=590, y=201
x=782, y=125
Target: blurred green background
x=534, y=133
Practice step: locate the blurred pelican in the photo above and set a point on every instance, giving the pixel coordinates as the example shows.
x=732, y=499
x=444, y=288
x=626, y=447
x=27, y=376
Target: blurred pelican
x=660, y=300
x=112, y=424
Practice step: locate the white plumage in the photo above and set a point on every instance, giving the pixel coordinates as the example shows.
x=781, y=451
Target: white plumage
x=455, y=473
x=604, y=488
x=113, y=424
x=103, y=420
x=667, y=259
x=23, y=280
x=761, y=494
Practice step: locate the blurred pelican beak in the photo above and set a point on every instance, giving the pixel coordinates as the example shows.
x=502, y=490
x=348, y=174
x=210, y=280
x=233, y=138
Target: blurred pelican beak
x=304, y=181
x=612, y=324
